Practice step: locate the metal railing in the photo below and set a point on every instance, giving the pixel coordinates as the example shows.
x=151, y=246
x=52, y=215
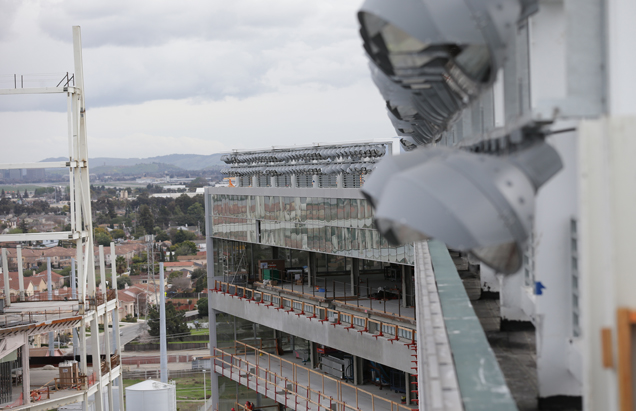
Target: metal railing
x=31, y=317
x=349, y=321
x=278, y=378
x=377, y=301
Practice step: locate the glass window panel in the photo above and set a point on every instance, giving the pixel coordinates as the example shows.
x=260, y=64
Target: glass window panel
x=393, y=254
x=400, y=254
x=334, y=239
x=303, y=209
x=384, y=248
x=347, y=235
x=321, y=210
x=303, y=244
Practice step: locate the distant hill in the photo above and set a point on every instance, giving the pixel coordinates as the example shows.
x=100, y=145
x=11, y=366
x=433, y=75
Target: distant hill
x=137, y=169
x=182, y=161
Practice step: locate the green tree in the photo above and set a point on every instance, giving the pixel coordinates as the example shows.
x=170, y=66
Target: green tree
x=161, y=235
x=122, y=281
x=140, y=231
x=26, y=193
x=185, y=248
x=175, y=322
x=23, y=226
x=173, y=275
x=118, y=233
x=201, y=283
x=102, y=236
x=120, y=264
x=202, y=306
x=198, y=272
x=179, y=236
x=146, y=219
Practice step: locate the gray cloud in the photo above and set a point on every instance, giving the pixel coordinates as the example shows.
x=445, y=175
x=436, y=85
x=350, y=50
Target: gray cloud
x=137, y=51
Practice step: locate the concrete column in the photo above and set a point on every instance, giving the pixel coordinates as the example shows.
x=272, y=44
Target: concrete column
x=113, y=266
x=312, y=269
x=81, y=273
x=26, y=372
x=83, y=362
x=214, y=379
x=97, y=369
x=313, y=354
x=5, y=274
x=73, y=286
x=355, y=276
x=294, y=180
x=513, y=297
x=51, y=343
x=407, y=390
x=316, y=181
x=49, y=295
x=18, y=250
x=357, y=370
x=340, y=181
x=107, y=345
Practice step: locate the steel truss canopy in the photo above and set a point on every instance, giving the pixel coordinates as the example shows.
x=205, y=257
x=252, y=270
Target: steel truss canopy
x=319, y=153
x=301, y=169
x=478, y=203
x=431, y=58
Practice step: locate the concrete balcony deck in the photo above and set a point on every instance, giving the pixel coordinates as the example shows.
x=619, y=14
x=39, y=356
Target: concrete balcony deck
x=385, y=342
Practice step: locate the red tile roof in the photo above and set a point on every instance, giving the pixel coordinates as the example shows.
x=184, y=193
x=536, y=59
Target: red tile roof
x=179, y=264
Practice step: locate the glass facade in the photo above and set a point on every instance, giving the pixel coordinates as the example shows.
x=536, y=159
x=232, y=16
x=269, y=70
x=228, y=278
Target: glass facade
x=339, y=226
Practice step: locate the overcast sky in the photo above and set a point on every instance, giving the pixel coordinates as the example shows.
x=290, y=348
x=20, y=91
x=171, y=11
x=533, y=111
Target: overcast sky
x=190, y=76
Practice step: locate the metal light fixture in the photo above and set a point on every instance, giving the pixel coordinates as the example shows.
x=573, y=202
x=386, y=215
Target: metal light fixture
x=441, y=52
x=479, y=203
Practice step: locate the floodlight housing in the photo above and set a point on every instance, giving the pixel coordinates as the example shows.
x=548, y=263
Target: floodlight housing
x=479, y=203
x=442, y=52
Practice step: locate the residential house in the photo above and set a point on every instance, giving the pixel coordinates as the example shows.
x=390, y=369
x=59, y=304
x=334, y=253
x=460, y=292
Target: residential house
x=128, y=251
x=179, y=266
x=31, y=284
x=57, y=280
x=127, y=304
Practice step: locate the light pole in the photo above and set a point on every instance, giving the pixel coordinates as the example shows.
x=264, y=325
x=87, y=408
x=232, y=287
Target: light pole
x=138, y=306
x=205, y=394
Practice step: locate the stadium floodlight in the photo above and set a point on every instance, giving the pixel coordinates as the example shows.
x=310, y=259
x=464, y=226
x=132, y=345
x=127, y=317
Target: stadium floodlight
x=483, y=204
x=443, y=52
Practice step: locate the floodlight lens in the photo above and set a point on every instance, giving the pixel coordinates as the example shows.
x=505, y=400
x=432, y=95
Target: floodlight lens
x=505, y=258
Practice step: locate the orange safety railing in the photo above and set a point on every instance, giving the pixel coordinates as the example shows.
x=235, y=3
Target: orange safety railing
x=279, y=379
x=377, y=328
x=30, y=317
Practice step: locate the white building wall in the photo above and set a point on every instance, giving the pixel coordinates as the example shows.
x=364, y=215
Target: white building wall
x=558, y=356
